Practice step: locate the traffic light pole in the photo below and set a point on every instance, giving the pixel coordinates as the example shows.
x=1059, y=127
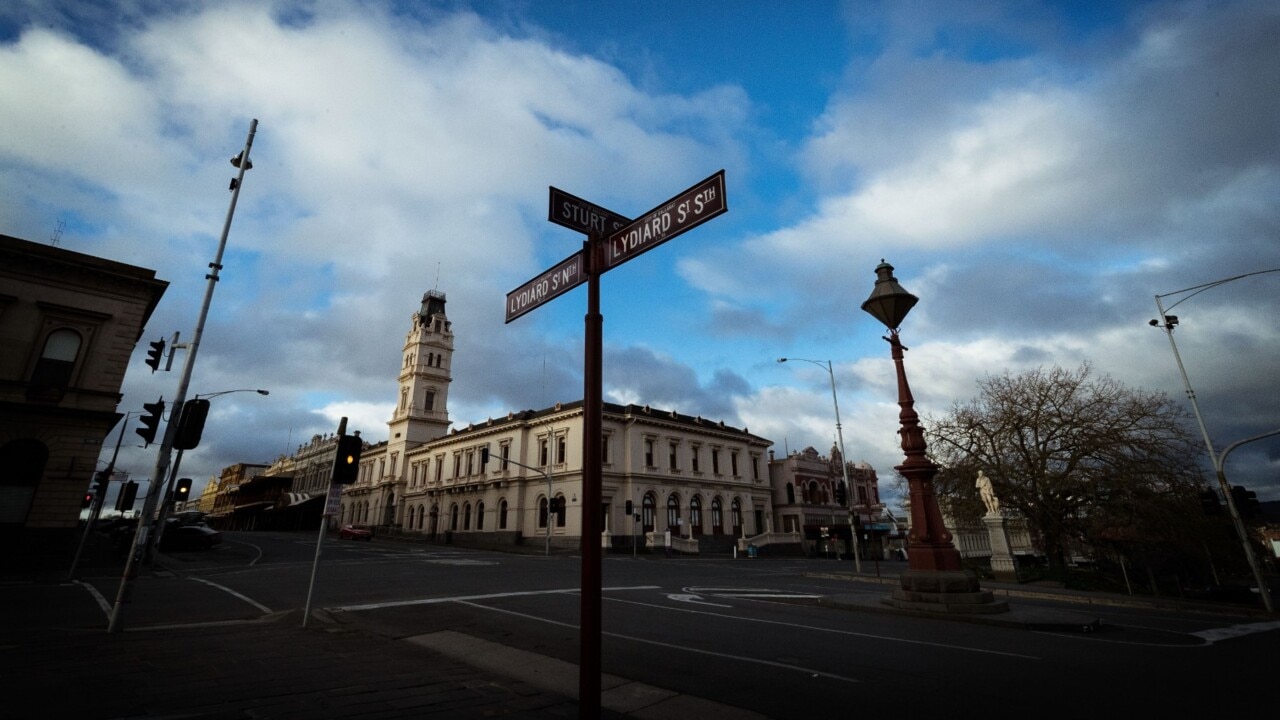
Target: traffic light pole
x=154, y=489
x=99, y=497
x=324, y=524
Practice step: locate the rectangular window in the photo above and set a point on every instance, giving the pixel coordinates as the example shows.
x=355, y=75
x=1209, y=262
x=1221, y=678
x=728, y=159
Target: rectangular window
x=755, y=466
x=648, y=453
x=604, y=450
x=484, y=462
x=471, y=457
x=694, y=464
x=561, y=446
x=542, y=452
x=439, y=467
x=457, y=465
x=671, y=457
x=733, y=463
x=506, y=456
x=431, y=400
x=715, y=460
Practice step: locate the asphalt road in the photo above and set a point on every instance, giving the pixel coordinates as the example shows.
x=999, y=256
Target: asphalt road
x=742, y=632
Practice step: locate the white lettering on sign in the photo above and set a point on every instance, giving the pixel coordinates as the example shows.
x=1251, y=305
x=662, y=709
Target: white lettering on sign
x=587, y=218
x=575, y=213
x=559, y=279
x=687, y=210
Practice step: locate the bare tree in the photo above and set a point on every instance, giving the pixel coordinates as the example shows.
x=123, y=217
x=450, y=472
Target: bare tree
x=1079, y=457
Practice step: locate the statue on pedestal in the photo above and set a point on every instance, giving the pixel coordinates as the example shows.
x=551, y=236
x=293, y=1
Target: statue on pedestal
x=988, y=494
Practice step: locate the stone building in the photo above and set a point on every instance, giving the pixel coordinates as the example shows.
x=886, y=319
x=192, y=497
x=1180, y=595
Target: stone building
x=810, y=499
x=700, y=479
x=68, y=326
x=229, y=511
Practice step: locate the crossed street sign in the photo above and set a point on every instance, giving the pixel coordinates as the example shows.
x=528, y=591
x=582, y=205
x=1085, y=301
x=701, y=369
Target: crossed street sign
x=624, y=238
x=611, y=240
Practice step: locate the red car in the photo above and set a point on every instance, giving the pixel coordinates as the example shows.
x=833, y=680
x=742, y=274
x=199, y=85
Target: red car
x=355, y=532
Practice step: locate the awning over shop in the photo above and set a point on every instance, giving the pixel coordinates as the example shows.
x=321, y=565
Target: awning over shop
x=251, y=507
x=288, y=500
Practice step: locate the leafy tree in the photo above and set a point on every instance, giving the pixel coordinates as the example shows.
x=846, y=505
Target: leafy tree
x=1084, y=459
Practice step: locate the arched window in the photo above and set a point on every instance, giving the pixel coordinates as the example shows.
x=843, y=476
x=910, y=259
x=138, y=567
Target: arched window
x=466, y=516
x=435, y=520
x=453, y=517
x=735, y=510
x=811, y=496
x=542, y=512
x=673, y=512
x=479, y=516
x=695, y=515
x=502, y=514
x=648, y=508
x=717, y=516
x=560, y=513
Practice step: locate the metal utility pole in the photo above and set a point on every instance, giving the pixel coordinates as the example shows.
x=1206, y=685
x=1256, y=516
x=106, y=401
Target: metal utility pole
x=99, y=497
x=1169, y=322
x=158, y=475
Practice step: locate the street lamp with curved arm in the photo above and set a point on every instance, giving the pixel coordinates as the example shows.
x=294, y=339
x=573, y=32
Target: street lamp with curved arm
x=844, y=468
x=1168, y=323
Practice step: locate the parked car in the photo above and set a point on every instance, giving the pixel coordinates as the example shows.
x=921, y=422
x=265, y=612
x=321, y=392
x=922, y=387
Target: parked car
x=355, y=532
x=189, y=537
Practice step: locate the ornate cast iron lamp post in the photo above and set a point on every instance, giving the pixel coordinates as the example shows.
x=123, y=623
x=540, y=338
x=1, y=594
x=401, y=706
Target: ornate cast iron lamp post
x=935, y=579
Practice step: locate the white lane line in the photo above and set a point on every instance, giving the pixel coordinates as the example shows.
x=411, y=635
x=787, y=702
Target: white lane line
x=756, y=661
x=461, y=598
x=1213, y=635
x=255, y=560
x=97, y=596
x=826, y=630
x=228, y=590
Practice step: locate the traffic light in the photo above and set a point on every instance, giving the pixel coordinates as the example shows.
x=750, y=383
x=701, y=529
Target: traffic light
x=1246, y=501
x=155, y=353
x=346, y=464
x=183, y=490
x=151, y=421
x=128, y=493
x=191, y=424
x=100, y=483
x=842, y=497
x=87, y=501
x=1209, y=503
x=556, y=506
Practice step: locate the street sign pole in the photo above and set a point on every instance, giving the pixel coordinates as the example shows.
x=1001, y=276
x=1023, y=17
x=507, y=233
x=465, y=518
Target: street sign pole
x=593, y=434
x=612, y=239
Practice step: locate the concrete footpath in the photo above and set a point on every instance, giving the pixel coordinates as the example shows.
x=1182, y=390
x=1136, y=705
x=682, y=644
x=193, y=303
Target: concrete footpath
x=57, y=660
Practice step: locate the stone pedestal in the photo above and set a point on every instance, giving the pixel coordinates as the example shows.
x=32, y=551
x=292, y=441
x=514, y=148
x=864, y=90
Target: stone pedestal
x=944, y=591
x=1003, y=564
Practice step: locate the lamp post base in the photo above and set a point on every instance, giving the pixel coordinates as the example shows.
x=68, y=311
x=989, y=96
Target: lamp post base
x=951, y=592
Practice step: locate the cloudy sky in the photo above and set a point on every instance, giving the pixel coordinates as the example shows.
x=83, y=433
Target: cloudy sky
x=1036, y=172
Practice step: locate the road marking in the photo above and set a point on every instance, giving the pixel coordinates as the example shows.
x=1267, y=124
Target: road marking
x=97, y=596
x=1213, y=635
x=827, y=630
x=696, y=600
x=463, y=598
x=228, y=590
x=750, y=593
x=683, y=648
